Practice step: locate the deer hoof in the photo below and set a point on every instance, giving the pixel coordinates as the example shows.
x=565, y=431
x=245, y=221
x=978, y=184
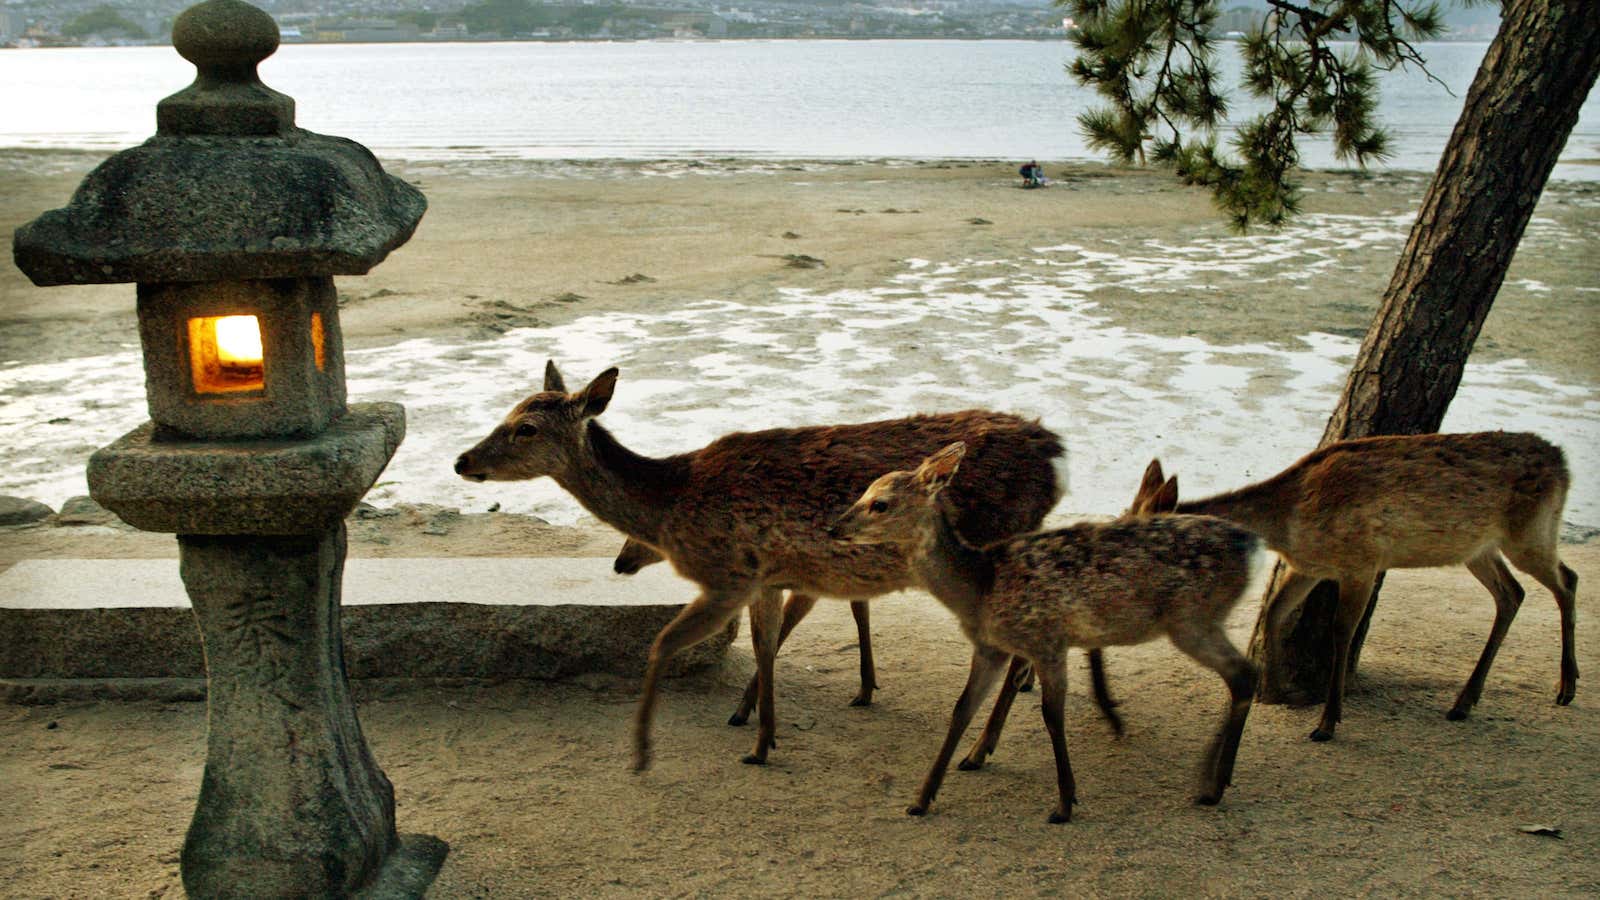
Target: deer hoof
x=970, y=765
x=1565, y=693
x=916, y=809
x=1208, y=799
x=1320, y=736
x=641, y=759
x=1057, y=817
x=738, y=719
x=861, y=700
x=1456, y=714
x=750, y=759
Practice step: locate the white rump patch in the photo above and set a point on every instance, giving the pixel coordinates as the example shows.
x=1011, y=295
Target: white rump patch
x=1063, y=485
x=1262, y=562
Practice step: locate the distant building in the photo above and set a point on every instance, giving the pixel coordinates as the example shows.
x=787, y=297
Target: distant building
x=367, y=31
x=10, y=26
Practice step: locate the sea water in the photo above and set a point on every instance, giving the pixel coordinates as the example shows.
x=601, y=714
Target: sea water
x=648, y=100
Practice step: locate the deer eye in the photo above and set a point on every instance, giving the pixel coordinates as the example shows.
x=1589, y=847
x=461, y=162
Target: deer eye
x=877, y=506
x=525, y=430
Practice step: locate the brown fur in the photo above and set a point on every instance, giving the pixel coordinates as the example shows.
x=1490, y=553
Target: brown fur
x=1094, y=586
x=1353, y=509
x=746, y=516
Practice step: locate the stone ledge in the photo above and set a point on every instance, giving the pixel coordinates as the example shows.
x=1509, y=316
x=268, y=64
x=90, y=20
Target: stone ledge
x=267, y=486
x=491, y=618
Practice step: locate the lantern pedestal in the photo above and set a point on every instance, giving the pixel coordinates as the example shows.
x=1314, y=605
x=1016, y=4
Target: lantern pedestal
x=292, y=802
x=321, y=822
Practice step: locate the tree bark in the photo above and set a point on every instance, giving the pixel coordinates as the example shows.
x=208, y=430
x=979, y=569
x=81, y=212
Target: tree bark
x=1522, y=105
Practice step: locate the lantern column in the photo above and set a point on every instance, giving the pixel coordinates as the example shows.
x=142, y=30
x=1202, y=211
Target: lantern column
x=233, y=222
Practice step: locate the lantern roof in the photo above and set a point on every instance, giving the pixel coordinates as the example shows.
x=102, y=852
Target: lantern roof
x=228, y=188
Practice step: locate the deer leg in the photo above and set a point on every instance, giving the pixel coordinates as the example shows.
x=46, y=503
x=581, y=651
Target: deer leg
x=795, y=609
x=1567, y=599
x=766, y=617
x=987, y=664
x=1102, y=696
x=1025, y=678
x=1492, y=573
x=698, y=621
x=1354, y=594
x=869, y=672
x=1020, y=678
x=1547, y=569
x=1052, y=702
x=1211, y=648
x=990, y=738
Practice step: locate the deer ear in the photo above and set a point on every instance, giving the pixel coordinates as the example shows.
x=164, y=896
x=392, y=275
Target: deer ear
x=937, y=470
x=592, y=400
x=1166, y=498
x=552, y=377
x=1151, y=482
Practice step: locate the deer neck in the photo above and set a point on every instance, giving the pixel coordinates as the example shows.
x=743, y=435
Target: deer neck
x=957, y=574
x=629, y=492
x=1263, y=508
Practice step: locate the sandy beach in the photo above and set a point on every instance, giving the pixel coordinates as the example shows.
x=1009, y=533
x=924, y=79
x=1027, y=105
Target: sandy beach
x=1114, y=303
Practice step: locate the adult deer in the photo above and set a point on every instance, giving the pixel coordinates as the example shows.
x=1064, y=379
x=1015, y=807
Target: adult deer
x=1090, y=585
x=745, y=517
x=1353, y=509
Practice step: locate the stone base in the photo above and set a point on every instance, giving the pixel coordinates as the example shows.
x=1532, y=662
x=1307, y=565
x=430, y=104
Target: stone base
x=127, y=625
x=408, y=871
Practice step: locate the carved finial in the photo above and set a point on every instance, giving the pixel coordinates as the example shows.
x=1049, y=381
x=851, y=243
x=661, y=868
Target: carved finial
x=226, y=40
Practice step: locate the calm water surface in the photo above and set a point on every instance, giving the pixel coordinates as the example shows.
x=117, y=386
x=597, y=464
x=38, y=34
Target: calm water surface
x=773, y=99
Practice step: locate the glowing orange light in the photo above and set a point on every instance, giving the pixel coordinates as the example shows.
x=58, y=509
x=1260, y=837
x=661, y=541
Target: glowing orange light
x=238, y=341
x=225, y=354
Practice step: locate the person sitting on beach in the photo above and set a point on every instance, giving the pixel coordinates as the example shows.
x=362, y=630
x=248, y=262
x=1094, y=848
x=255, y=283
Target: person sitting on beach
x=1032, y=174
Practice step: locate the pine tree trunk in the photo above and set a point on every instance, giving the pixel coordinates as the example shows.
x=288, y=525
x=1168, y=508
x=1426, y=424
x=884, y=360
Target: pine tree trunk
x=1520, y=109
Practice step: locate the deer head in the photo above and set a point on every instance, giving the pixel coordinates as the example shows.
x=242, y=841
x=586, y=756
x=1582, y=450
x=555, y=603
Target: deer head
x=898, y=507
x=543, y=435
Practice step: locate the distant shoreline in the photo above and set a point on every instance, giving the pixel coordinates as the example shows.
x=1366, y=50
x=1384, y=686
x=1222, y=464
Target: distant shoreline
x=1032, y=39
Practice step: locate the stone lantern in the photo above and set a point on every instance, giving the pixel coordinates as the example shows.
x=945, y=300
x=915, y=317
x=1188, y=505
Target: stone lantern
x=233, y=222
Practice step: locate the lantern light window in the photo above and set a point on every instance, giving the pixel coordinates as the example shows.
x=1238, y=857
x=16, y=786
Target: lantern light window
x=225, y=354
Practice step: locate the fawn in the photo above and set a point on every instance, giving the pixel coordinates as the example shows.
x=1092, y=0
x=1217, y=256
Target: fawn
x=1355, y=508
x=745, y=517
x=634, y=556
x=1155, y=495
x=1090, y=585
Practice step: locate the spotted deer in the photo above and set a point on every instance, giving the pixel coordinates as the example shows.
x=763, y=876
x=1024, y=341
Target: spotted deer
x=634, y=556
x=745, y=517
x=1356, y=508
x=1155, y=495
x=1090, y=585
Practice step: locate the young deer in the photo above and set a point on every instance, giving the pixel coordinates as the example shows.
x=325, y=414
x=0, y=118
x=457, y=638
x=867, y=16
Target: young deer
x=1356, y=508
x=1155, y=495
x=745, y=517
x=635, y=556
x=1094, y=585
